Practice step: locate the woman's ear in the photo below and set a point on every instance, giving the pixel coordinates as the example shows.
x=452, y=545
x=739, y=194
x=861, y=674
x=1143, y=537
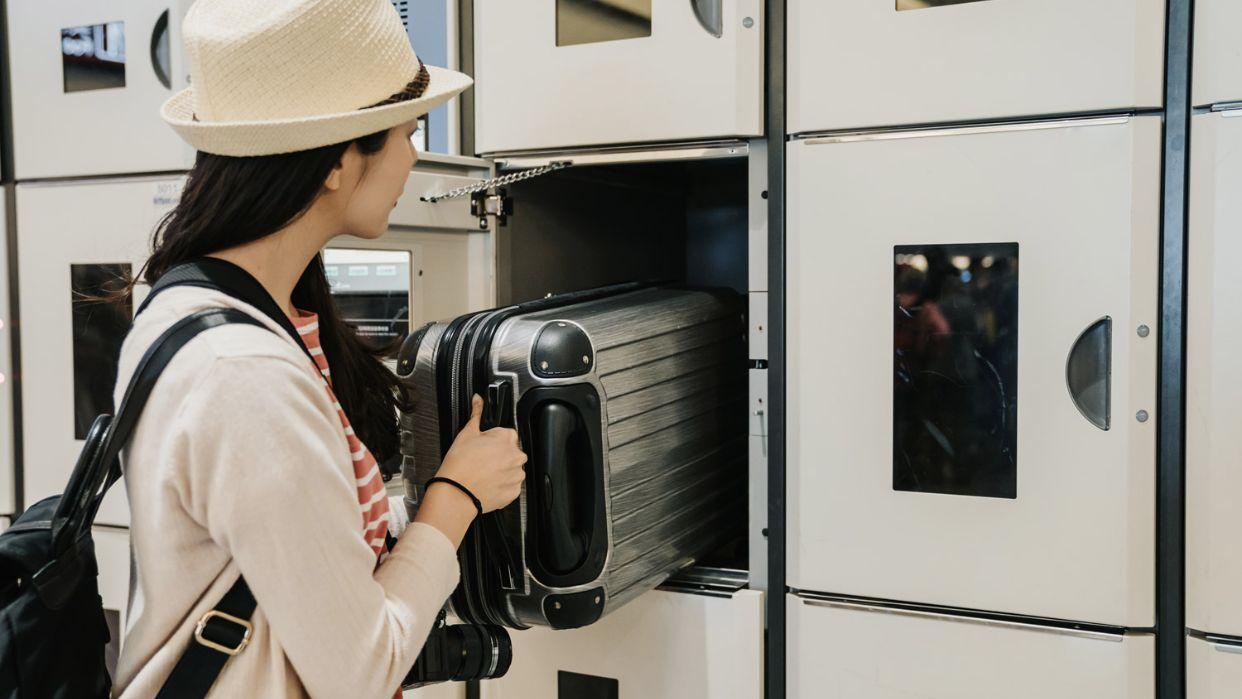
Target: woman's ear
x=333, y=181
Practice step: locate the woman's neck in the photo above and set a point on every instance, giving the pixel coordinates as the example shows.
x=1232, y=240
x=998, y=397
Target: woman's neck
x=277, y=261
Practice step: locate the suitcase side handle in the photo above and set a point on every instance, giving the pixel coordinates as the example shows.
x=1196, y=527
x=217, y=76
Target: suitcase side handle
x=566, y=535
x=560, y=449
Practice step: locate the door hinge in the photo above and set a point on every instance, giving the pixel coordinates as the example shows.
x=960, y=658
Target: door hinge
x=498, y=204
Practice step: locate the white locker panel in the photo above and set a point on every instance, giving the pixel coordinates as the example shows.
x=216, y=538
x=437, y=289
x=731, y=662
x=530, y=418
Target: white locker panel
x=689, y=69
x=663, y=644
x=1213, y=670
x=870, y=63
x=112, y=555
x=939, y=284
x=1214, y=379
x=1218, y=52
x=856, y=653
x=79, y=233
x=8, y=454
x=88, y=79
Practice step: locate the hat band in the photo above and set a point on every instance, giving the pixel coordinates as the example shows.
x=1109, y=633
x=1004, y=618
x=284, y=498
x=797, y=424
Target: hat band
x=412, y=91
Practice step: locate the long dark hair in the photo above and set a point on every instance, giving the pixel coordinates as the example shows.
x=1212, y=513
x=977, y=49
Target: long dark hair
x=231, y=201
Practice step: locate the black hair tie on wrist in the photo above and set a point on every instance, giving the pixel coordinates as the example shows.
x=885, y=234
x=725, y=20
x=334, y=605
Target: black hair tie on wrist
x=440, y=479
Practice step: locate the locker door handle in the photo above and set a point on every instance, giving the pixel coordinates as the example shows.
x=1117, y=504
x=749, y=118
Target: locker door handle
x=161, y=51
x=1089, y=373
x=710, y=14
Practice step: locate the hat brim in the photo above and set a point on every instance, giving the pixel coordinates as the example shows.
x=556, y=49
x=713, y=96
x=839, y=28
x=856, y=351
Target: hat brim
x=255, y=138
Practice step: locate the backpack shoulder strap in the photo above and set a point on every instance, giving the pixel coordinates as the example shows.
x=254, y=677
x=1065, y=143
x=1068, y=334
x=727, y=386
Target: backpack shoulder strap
x=99, y=468
x=228, y=278
x=220, y=634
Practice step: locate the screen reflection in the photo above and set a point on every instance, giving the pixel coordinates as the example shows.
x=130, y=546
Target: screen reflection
x=955, y=369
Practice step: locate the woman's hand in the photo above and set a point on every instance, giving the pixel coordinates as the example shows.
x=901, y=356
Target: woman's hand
x=488, y=463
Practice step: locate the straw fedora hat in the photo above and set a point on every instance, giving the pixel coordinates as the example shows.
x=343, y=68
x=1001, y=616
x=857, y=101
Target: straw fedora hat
x=277, y=76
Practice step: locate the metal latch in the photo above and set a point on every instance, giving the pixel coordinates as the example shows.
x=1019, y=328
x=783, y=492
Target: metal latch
x=499, y=204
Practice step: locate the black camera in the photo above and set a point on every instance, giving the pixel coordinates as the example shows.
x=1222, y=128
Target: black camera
x=461, y=652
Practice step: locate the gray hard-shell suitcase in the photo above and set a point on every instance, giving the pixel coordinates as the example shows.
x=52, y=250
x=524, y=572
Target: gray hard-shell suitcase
x=630, y=403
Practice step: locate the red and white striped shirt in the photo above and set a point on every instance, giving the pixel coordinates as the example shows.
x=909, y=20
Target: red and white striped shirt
x=372, y=497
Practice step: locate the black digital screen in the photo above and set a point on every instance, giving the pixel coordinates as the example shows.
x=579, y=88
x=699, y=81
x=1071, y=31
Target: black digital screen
x=955, y=369
x=99, y=328
x=93, y=57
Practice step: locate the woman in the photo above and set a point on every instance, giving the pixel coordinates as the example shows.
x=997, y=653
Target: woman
x=250, y=460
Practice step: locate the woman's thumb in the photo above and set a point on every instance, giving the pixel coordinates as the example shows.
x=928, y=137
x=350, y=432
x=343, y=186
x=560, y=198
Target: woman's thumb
x=476, y=412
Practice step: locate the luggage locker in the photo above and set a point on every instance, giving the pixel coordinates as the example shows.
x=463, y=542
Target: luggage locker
x=1213, y=667
x=664, y=644
x=972, y=321
x=872, y=63
x=1213, y=477
x=87, y=82
x=637, y=71
x=8, y=450
x=112, y=555
x=74, y=239
x=629, y=402
x=850, y=650
x=1217, y=52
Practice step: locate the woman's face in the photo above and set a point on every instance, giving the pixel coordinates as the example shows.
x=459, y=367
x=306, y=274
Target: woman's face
x=375, y=182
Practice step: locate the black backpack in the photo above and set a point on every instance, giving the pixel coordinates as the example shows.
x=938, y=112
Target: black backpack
x=52, y=626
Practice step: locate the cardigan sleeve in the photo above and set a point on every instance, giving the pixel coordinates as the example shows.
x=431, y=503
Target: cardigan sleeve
x=268, y=475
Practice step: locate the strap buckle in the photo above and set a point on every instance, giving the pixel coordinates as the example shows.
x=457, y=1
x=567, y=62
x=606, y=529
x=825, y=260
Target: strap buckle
x=247, y=627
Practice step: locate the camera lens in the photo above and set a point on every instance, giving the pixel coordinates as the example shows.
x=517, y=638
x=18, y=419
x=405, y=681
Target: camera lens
x=462, y=652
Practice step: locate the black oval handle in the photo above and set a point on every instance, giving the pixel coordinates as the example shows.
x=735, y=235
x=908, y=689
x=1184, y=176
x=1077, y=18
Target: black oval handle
x=563, y=545
x=160, y=51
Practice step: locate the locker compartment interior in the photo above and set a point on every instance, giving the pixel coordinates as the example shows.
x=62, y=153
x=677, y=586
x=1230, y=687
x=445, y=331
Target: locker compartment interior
x=681, y=223
x=578, y=229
